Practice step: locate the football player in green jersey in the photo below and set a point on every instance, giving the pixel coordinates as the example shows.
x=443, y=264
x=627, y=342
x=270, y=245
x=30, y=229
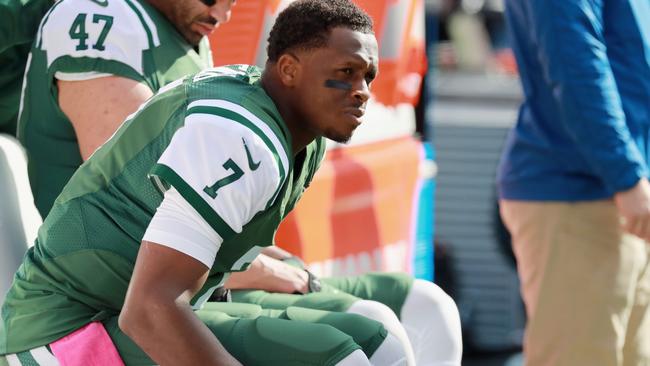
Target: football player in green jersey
x=18, y=24
x=418, y=313
x=229, y=152
x=92, y=64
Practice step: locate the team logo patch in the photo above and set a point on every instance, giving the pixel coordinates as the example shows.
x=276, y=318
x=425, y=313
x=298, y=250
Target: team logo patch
x=251, y=164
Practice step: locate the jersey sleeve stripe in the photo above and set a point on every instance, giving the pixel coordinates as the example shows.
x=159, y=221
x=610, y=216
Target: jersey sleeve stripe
x=281, y=145
x=12, y=359
x=25, y=358
x=233, y=116
x=193, y=198
x=39, y=37
x=153, y=42
x=22, y=93
x=43, y=357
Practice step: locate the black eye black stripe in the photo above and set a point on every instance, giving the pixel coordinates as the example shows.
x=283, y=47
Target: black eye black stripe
x=336, y=84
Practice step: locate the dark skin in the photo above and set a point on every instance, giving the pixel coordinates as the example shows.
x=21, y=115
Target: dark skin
x=310, y=108
x=156, y=313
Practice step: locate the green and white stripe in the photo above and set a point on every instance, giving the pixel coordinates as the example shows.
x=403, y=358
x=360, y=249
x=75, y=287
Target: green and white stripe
x=38, y=41
x=237, y=113
x=40, y=356
x=147, y=23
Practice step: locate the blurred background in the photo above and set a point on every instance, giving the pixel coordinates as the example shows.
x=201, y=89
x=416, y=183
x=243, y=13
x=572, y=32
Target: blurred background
x=470, y=101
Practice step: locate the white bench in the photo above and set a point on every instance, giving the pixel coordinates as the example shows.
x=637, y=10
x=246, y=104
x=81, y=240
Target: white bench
x=19, y=219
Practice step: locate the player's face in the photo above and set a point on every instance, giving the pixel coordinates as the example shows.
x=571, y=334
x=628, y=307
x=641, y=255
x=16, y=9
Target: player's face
x=335, y=83
x=195, y=18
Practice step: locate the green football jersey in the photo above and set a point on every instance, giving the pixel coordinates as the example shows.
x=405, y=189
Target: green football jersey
x=81, y=39
x=18, y=23
x=215, y=137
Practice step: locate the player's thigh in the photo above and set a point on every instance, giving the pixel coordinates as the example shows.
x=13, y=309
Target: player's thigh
x=387, y=288
x=256, y=339
x=133, y=355
x=278, y=340
x=367, y=333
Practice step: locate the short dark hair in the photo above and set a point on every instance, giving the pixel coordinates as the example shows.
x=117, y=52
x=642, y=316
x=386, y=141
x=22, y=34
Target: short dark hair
x=306, y=24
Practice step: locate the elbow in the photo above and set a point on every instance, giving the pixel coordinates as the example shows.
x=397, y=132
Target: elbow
x=145, y=314
x=135, y=321
x=128, y=321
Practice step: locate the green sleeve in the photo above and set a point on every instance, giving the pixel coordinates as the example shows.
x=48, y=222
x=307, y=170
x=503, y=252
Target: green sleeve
x=19, y=20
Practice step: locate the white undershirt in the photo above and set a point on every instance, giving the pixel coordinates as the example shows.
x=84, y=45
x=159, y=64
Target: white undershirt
x=177, y=225
x=80, y=76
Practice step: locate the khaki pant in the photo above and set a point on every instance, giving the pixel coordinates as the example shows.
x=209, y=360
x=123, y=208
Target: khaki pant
x=585, y=283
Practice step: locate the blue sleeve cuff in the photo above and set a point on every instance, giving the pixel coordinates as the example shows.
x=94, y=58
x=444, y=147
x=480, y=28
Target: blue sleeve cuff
x=628, y=180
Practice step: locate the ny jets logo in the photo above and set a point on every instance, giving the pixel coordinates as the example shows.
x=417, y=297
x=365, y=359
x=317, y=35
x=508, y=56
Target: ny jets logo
x=252, y=165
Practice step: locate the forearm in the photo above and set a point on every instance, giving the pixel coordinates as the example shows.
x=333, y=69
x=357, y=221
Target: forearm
x=269, y=274
x=157, y=314
x=171, y=334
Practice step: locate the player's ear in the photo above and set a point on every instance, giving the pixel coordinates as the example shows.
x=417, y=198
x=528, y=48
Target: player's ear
x=289, y=68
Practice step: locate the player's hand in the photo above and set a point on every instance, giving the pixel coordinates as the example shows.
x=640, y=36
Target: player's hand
x=269, y=274
x=634, y=207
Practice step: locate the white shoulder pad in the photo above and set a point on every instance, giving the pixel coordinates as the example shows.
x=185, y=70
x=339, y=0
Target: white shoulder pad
x=117, y=30
x=221, y=166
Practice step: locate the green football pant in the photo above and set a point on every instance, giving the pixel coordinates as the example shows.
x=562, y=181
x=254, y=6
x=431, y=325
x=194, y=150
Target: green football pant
x=256, y=336
x=338, y=293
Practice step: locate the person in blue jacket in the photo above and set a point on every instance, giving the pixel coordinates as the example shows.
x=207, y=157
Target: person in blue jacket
x=573, y=183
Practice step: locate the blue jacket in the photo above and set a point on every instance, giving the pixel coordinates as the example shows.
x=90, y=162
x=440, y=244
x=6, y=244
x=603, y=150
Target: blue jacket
x=583, y=130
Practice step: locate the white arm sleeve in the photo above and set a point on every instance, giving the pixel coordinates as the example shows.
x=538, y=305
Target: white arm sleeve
x=178, y=226
x=81, y=76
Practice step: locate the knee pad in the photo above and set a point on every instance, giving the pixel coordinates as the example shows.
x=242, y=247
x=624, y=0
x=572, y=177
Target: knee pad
x=390, y=353
x=432, y=322
x=356, y=358
x=383, y=314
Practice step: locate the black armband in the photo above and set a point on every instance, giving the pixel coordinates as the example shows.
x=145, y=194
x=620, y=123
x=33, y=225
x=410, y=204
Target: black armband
x=221, y=294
